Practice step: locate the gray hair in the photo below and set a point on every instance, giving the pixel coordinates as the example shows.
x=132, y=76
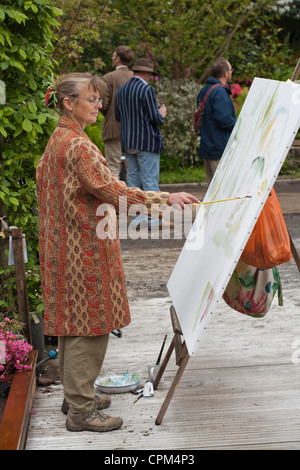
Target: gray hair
x=68, y=86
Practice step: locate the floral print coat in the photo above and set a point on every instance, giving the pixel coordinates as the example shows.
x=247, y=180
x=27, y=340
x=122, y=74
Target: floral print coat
x=82, y=274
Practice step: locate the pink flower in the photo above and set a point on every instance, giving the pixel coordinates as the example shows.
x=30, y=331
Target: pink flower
x=236, y=90
x=16, y=350
x=254, y=305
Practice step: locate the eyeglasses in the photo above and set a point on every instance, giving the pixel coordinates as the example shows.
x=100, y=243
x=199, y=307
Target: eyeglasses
x=91, y=100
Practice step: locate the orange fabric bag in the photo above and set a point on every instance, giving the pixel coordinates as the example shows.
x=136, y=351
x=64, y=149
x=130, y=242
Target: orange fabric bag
x=269, y=242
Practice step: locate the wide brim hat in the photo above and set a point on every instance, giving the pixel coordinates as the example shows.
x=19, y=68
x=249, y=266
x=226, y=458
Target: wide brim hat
x=143, y=65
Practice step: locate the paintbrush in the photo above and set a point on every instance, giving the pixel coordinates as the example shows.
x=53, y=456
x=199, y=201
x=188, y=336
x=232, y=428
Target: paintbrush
x=161, y=351
x=140, y=396
x=221, y=200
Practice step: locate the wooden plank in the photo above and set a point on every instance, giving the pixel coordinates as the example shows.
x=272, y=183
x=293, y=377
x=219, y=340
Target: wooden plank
x=241, y=391
x=14, y=424
x=227, y=408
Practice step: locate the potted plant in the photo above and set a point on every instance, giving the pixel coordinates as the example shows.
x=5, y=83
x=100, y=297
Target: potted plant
x=14, y=349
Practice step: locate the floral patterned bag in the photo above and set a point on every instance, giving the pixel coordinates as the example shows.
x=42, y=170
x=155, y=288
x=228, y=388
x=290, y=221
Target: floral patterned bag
x=251, y=290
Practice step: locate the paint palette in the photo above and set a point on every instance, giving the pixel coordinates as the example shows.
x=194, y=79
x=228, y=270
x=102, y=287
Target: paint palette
x=117, y=383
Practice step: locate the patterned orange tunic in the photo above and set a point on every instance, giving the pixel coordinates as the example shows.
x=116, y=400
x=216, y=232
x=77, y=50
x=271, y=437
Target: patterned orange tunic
x=82, y=274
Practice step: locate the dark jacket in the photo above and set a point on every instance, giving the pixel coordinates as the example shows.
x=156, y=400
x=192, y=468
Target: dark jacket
x=137, y=111
x=219, y=120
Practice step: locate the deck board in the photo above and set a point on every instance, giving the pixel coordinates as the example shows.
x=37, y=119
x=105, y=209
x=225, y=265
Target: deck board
x=240, y=391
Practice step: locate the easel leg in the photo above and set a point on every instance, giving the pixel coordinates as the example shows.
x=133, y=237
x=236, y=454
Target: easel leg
x=182, y=358
x=164, y=364
x=294, y=77
x=176, y=380
x=295, y=254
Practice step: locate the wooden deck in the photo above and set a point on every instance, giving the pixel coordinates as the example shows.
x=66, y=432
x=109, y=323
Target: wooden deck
x=240, y=391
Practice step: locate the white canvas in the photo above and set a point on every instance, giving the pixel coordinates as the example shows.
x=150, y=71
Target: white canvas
x=252, y=159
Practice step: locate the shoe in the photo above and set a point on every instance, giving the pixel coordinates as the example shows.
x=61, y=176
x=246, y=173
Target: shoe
x=101, y=402
x=93, y=420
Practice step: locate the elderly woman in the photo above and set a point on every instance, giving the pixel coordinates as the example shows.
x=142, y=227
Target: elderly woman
x=82, y=274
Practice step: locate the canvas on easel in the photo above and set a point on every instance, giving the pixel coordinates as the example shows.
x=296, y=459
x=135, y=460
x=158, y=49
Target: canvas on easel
x=253, y=157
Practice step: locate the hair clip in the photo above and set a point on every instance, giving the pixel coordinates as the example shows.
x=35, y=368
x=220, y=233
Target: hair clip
x=51, y=95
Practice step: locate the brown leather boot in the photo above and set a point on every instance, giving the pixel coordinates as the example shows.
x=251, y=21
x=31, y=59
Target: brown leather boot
x=101, y=402
x=94, y=420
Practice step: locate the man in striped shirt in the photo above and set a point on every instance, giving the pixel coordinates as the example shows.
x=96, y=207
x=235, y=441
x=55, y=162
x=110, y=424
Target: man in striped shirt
x=140, y=118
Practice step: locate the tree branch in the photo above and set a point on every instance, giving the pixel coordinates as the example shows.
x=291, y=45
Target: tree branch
x=62, y=71
x=70, y=27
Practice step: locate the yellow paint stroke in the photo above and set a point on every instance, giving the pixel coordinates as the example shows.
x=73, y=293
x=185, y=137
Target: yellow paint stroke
x=268, y=130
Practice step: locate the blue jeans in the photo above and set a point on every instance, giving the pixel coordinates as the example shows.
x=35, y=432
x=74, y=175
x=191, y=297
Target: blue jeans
x=143, y=170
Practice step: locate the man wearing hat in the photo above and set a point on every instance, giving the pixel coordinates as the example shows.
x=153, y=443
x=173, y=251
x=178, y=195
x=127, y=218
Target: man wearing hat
x=139, y=116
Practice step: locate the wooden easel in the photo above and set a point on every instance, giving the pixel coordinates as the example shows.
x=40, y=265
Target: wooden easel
x=181, y=351
x=182, y=358
x=296, y=72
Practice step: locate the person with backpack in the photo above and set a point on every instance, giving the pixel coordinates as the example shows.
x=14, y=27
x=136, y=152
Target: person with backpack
x=219, y=116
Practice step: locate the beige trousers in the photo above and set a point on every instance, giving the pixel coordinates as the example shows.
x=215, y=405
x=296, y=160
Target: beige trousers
x=113, y=153
x=80, y=361
x=210, y=167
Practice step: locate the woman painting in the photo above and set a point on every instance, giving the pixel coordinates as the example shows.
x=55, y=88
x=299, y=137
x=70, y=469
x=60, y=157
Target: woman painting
x=82, y=274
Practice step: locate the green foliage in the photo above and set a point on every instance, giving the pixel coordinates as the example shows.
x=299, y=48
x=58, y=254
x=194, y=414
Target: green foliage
x=180, y=142
x=82, y=26
x=185, y=36
x=25, y=123
x=239, y=100
x=288, y=21
x=182, y=174
x=262, y=53
x=94, y=132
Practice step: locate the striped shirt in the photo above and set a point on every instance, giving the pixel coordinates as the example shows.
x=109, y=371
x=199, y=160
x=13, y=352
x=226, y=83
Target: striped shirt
x=137, y=111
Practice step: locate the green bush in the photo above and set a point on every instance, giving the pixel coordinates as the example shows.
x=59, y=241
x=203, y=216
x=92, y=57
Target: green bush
x=25, y=126
x=180, y=142
x=95, y=134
